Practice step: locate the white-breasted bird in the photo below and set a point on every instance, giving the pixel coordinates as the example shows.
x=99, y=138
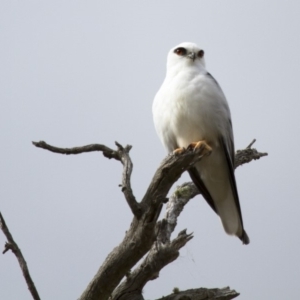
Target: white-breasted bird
x=190, y=107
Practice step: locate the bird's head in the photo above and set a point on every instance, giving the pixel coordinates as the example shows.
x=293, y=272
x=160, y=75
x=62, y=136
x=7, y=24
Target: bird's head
x=186, y=55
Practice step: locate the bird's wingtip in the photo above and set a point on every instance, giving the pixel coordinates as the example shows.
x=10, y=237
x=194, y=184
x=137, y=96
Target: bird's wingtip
x=244, y=238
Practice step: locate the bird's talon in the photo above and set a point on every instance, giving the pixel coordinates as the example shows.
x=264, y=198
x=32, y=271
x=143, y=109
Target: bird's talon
x=200, y=146
x=179, y=151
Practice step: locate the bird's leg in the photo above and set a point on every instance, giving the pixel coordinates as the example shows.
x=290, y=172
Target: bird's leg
x=179, y=151
x=200, y=146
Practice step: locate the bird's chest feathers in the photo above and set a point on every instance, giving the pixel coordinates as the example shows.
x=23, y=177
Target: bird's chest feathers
x=190, y=110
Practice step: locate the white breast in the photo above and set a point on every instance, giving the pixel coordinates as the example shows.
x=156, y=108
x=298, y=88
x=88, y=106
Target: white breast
x=189, y=107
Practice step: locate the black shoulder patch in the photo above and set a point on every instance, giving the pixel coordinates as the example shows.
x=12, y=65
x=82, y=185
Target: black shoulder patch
x=209, y=75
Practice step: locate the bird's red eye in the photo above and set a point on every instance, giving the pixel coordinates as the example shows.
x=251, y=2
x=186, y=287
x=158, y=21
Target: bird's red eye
x=180, y=51
x=200, y=53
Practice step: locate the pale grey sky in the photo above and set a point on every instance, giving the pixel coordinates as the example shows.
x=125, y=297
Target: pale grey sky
x=80, y=72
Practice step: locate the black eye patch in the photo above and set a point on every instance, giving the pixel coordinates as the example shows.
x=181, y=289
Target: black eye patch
x=200, y=53
x=180, y=51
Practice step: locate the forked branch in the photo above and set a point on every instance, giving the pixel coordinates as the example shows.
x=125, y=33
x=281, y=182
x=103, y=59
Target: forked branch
x=121, y=154
x=145, y=233
x=164, y=251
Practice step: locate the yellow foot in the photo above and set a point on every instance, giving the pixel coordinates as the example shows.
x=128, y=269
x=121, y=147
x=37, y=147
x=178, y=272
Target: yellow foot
x=200, y=146
x=179, y=151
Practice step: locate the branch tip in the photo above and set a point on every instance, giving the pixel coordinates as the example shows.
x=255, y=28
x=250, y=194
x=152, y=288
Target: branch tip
x=182, y=232
x=7, y=247
x=2, y=222
x=120, y=147
x=128, y=148
x=251, y=144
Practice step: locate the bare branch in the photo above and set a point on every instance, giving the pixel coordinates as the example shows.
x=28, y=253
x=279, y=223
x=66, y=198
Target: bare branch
x=126, y=185
x=145, y=233
x=158, y=257
x=246, y=155
x=203, y=294
x=251, y=144
x=107, y=152
x=12, y=245
x=175, y=205
x=141, y=235
x=122, y=154
x=169, y=171
x=161, y=253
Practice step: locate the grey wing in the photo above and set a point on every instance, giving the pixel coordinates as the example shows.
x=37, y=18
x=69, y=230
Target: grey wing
x=228, y=147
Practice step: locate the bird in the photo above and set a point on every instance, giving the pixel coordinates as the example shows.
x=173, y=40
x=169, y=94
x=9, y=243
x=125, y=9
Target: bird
x=190, y=110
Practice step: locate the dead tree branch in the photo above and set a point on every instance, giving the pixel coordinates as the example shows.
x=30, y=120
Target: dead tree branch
x=163, y=251
x=12, y=245
x=126, y=184
x=107, y=152
x=145, y=233
x=203, y=294
x=247, y=155
x=158, y=257
x=121, y=154
x=141, y=234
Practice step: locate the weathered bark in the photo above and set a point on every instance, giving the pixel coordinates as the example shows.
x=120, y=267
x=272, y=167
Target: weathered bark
x=145, y=234
x=203, y=294
x=142, y=233
x=164, y=251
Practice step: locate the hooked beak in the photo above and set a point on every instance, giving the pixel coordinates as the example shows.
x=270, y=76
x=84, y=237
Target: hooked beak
x=191, y=55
